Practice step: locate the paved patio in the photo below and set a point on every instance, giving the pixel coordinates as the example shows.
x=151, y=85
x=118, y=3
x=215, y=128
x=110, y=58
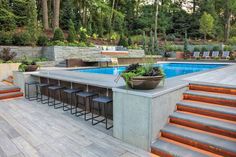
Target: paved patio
x=31, y=129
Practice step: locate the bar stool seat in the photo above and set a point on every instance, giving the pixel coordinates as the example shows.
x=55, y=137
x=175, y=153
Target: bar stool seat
x=40, y=87
x=69, y=95
x=27, y=90
x=86, y=97
x=106, y=101
x=55, y=89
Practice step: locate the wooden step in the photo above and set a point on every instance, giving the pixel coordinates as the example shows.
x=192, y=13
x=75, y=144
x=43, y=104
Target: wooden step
x=210, y=97
x=11, y=95
x=204, y=123
x=200, y=140
x=168, y=148
x=213, y=110
x=213, y=88
x=9, y=89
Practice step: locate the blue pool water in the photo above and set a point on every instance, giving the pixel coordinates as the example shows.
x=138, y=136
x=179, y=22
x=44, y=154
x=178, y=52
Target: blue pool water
x=170, y=69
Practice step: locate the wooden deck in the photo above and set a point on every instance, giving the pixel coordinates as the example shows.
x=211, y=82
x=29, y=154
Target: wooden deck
x=31, y=129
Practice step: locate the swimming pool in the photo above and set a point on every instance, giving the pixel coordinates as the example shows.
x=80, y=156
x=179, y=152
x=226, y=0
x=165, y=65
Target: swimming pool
x=170, y=69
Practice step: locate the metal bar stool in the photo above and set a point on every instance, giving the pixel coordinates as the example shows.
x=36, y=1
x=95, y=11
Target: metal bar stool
x=86, y=98
x=27, y=90
x=40, y=87
x=105, y=101
x=56, y=89
x=69, y=99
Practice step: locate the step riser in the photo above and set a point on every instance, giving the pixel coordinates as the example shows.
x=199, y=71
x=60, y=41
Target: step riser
x=161, y=153
x=213, y=89
x=206, y=112
x=197, y=144
x=9, y=91
x=210, y=100
x=11, y=96
x=203, y=127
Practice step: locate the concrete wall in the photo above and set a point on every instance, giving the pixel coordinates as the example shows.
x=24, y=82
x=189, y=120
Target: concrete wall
x=27, y=51
x=6, y=69
x=137, y=119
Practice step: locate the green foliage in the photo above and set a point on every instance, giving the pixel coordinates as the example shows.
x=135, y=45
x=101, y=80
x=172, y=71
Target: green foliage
x=232, y=41
x=6, y=55
x=58, y=35
x=123, y=42
x=83, y=34
x=22, y=39
x=67, y=14
x=216, y=48
x=228, y=48
x=5, y=38
x=150, y=44
x=7, y=20
x=72, y=32
x=114, y=36
x=20, y=10
x=42, y=40
x=130, y=42
x=186, y=43
x=196, y=49
x=206, y=24
x=144, y=43
x=203, y=49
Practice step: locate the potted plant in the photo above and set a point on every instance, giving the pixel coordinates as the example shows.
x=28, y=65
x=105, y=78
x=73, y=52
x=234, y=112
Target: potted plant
x=28, y=66
x=143, y=77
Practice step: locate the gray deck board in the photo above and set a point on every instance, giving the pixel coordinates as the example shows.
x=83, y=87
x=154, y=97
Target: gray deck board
x=31, y=129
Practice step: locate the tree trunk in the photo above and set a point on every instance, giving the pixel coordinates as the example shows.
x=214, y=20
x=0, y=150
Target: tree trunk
x=227, y=27
x=155, y=29
x=110, y=21
x=56, y=13
x=45, y=14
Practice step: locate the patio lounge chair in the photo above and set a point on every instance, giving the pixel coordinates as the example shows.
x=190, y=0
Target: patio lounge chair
x=206, y=54
x=196, y=54
x=215, y=54
x=226, y=54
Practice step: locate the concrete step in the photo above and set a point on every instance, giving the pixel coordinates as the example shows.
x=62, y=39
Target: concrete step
x=11, y=95
x=208, y=109
x=210, y=97
x=169, y=148
x=214, y=144
x=9, y=89
x=222, y=127
x=212, y=88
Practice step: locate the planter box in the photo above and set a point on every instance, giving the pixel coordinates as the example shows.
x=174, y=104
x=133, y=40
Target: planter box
x=6, y=69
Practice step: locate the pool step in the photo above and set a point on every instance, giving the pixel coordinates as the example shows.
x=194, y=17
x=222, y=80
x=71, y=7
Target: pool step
x=11, y=95
x=211, y=97
x=204, y=124
x=8, y=89
x=211, y=143
x=220, y=127
x=213, y=88
x=208, y=109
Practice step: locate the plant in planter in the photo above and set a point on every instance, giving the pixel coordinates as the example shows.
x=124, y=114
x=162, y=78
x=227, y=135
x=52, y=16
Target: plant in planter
x=143, y=76
x=6, y=55
x=27, y=66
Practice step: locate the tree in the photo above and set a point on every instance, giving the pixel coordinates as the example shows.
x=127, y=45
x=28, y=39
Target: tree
x=56, y=13
x=32, y=24
x=45, y=14
x=72, y=32
x=206, y=24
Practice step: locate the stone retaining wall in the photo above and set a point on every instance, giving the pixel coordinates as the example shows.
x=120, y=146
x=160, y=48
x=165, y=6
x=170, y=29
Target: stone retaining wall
x=61, y=53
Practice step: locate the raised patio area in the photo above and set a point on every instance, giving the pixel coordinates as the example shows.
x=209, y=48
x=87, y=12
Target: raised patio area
x=32, y=129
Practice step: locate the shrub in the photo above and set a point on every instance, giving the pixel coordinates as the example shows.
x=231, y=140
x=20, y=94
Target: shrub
x=56, y=43
x=83, y=34
x=58, y=35
x=228, y=48
x=203, y=49
x=130, y=42
x=5, y=38
x=114, y=36
x=170, y=37
x=6, y=55
x=232, y=41
x=22, y=39
x=72, y=32
x=95, y=36
x=216, y=48
x=42, y=40
x=196, y=49
x=123, y=41
x=82, y=44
